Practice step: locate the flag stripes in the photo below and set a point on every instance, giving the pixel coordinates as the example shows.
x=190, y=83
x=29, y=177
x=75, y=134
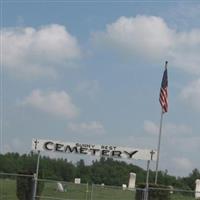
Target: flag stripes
x=164, y=92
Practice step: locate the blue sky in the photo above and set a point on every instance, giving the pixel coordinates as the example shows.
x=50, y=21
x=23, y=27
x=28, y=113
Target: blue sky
x=91, y=71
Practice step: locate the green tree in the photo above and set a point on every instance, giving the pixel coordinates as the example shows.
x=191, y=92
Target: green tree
x=190, y=180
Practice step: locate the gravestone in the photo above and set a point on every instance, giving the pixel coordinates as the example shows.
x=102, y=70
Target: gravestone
x=171, y=189
x=132, y=179
x=124, y=186
x=77, y=181
x=60, y=187
x=197, y=189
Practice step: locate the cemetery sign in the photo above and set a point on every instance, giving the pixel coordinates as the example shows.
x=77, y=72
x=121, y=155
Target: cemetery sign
x=93, y=149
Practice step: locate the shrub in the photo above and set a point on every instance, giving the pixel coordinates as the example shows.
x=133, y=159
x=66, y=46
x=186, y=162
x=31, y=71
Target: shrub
x=25, y=186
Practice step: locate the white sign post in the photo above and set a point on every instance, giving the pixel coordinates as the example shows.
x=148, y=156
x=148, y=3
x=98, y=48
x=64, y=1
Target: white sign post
x=36, y=178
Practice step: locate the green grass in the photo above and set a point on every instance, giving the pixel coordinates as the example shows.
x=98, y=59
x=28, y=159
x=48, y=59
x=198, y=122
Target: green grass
x=181, y=197
x=77, y=192
x=112, y=193
x=7, y=189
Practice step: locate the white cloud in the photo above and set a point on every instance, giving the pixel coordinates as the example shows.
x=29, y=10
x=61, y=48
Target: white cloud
x=189, y=145
x=7, y=148
x=142, y=142
x=168, y=128
x=149, y=37
x=30, y=52
x=89, y=128
x=182, y=163
x=186, y=49
x=55, y=103
x=16, y=142
x=191, y=94
x=89, y=88
x=178, y=154
x=14, y=145
x=150, y=127
x=138, y=36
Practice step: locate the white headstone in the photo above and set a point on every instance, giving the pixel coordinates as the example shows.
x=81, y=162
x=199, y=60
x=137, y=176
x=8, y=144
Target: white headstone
x=77, y=180
x=171, y=189
x=60, y=187
x=197, y=189
x=132, y=179
x=124, y=186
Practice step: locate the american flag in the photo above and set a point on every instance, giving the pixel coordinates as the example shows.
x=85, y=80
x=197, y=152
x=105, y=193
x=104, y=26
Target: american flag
x=164, y=91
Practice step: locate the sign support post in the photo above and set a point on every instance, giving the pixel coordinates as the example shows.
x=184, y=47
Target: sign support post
x=147, y=181
x=36, y=177
x=146, y=194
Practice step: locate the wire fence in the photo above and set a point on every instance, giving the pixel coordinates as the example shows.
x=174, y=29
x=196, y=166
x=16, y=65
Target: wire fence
x=61, y=190
x=8, y=185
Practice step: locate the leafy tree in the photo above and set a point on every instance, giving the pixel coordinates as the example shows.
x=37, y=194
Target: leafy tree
x=107, y=171
x=190, y=180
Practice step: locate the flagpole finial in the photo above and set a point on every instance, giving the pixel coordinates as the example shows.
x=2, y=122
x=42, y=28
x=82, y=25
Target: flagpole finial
x=166, y=62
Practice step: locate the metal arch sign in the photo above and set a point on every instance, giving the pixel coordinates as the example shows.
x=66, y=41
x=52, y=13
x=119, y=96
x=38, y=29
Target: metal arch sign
x=93, y=149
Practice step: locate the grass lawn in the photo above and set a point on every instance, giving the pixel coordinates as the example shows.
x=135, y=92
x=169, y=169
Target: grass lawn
x=181, y=197
x=7, y=189
x=112, y=193
x=77, y=192
x=73, y=191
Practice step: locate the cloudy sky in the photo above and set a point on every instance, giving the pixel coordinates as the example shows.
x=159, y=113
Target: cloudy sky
x=90, y=72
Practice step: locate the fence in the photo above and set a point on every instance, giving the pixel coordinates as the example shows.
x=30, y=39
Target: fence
x=68, y=191
x=102, y=192
x=8, y=184
x=99, y=192
x=72, y=191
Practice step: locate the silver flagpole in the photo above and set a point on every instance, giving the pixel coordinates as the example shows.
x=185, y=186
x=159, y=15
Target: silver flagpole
x=159, y=139
x=158, y=148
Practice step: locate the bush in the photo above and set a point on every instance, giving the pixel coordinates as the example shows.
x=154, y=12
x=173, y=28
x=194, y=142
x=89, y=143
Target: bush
x=156, y=192
x=25, y=186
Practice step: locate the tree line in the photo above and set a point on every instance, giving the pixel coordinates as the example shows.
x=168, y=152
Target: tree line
x=107, y=171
